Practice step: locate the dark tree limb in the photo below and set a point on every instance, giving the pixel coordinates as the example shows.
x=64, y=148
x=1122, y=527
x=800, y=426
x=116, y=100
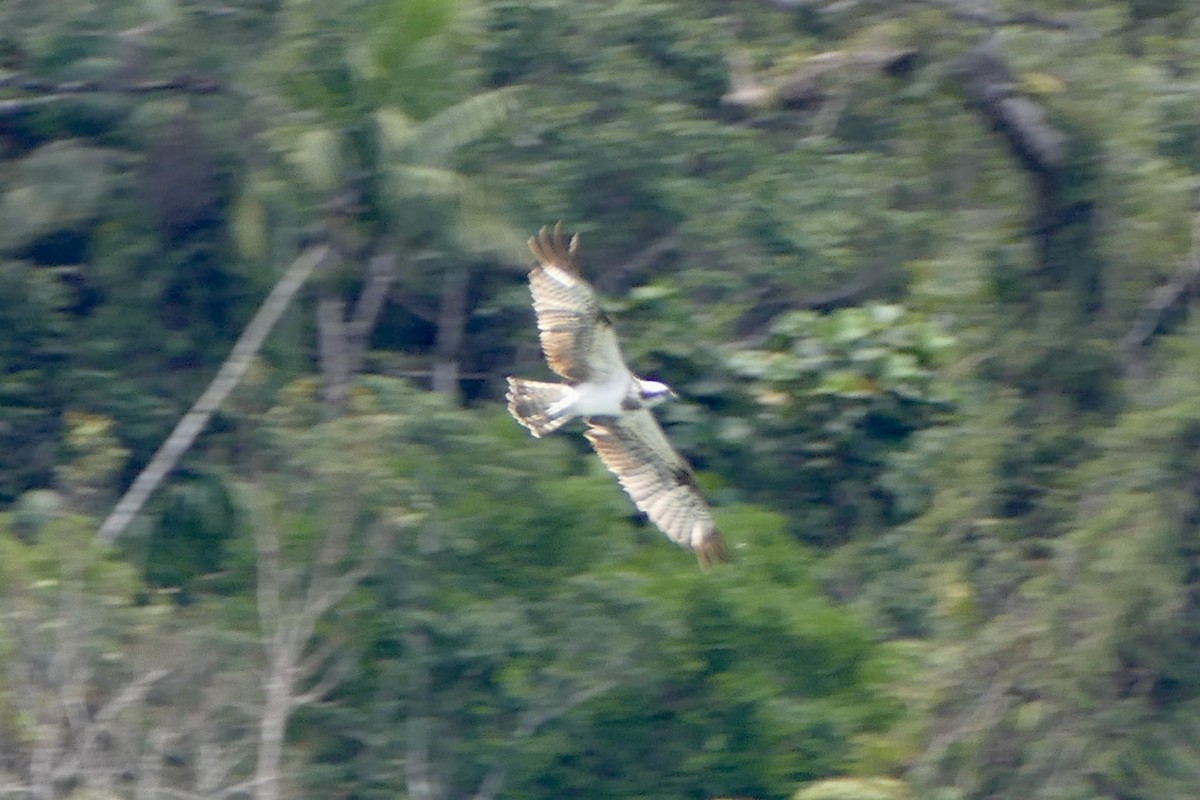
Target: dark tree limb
x=991, y=88
x=188, y=84
x=1164, y=302
x=48, y=92
x=954, y=8
x=633, y=267
x=866, y=284
x=1062, y=168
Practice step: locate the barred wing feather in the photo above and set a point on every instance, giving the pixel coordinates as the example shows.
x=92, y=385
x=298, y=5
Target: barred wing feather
x=658, y=480
x=577, y=336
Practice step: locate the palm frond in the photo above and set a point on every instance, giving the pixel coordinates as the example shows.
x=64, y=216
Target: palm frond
x=433, y=140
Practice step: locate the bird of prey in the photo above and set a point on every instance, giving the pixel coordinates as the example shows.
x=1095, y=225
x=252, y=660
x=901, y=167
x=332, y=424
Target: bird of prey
x=580, y=344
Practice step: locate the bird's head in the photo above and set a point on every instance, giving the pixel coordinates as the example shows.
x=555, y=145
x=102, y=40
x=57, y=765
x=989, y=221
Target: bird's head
x=653, y=393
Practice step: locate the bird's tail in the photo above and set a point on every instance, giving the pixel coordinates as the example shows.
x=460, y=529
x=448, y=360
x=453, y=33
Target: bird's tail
x=538, y=405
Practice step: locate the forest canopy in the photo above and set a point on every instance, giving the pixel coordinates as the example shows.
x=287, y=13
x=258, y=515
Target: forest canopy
x=923, y=273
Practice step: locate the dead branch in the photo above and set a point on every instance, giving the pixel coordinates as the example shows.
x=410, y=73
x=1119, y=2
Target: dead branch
x=48, y=92
x=813, y=82
x=632, y=268
x=228, y=376
x=291, y=603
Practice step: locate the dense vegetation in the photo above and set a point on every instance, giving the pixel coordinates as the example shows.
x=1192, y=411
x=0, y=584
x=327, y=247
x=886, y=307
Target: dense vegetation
x=921, y=271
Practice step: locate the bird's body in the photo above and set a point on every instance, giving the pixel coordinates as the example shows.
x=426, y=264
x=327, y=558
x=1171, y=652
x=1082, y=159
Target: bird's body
x=581, y=345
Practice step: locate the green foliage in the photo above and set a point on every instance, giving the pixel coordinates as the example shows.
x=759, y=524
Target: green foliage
x=1001, y=602
x=31, y=358
x=703, y=717
x=68, y=605
x=830, y=397
x=58, y=189
x=524, y=609
x=193, y=517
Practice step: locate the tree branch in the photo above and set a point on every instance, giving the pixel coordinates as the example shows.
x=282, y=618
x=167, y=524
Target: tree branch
x=955, y=8
x=230, y=373
x=381, y=274
x=992, y=88
x=191, y=84
x=812, y=82
x=1175, y=293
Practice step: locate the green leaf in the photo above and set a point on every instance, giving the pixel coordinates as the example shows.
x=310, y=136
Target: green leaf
x=316, y=155
x=249, y=222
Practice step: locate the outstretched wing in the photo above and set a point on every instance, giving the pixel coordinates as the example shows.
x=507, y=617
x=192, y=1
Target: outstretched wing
x=577, y=336
x=659, y=481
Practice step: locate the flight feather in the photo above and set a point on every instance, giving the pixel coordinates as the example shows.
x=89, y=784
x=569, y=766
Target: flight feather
x=658, y=480
x=577, y=336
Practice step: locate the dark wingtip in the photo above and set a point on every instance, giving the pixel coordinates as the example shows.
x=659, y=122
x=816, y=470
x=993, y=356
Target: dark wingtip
x=713, y=551
x=549, y=247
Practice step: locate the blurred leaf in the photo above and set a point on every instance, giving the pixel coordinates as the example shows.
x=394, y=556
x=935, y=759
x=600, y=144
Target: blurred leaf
x=250, y=226
x=316, y=155
x=59, y=187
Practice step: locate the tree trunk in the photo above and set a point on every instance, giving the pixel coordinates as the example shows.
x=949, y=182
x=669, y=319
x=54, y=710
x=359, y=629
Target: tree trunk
x=334, y=348
x=452, y=322
x=272, y=726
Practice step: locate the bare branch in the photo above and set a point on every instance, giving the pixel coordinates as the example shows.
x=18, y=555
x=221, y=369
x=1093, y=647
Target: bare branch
x=133, y=693
x=381, y=274
x=812, y=82
x=191, y=84
x=48, y=92
x=335, y=671
x=636, y=264
x=229, y=375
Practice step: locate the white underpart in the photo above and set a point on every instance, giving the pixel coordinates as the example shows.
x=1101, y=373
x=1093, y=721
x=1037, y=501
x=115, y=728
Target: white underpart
x=595, y=398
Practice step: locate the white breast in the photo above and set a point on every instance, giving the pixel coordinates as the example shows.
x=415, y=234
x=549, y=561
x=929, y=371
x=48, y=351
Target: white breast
x=603, y=397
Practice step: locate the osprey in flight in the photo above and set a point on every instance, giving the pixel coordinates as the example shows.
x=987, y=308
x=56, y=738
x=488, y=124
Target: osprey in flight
x=580, y=345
